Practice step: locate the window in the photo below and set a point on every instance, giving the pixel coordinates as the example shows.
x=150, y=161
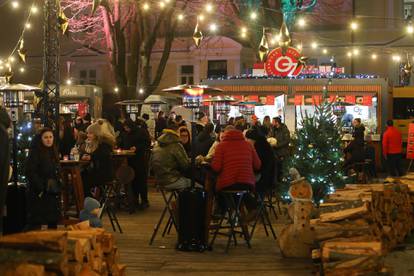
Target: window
x=217, y=68
x=187, y=74
x=87, y=76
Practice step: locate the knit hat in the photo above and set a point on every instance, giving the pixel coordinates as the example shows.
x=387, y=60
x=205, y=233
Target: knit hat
x=91, y=204
x=200, y=115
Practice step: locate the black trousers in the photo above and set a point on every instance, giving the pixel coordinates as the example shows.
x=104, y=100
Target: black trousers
x=394, y=164
x=139, y=184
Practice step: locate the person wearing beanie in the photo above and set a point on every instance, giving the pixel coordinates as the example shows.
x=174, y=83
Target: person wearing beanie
x=99, y=152
x=4, y=160
x=202, y=121
x=91, y=212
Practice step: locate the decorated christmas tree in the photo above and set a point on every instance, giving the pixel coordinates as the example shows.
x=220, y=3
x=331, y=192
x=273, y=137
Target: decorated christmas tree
x=317, y=150
x=25, y=133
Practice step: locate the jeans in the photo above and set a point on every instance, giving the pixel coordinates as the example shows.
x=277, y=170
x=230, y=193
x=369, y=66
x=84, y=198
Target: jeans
x=180, y=184
x=394, y=164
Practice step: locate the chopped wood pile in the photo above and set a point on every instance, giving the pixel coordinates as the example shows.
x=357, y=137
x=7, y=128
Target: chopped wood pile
x=81, y=250
x=359, y=224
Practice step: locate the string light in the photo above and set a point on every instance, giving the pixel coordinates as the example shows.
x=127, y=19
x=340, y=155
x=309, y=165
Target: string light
x=314, y=45
x=28, y=25
x=146, y=6
x=22, y=70
x=162, y=5
x=302, y=22
x=396, y=58
x=354, y=26
x=180, y=17
x=213, y=27
x=253, y=16
x=68, y=81
x=374, y=56
x=349, y=54
x=201, y=17
x=244, y=30
x=15, y=4
x=209, y=8
x=116, y=89
x=355, y=52
x=12, y=59
x=410, y=29
x=34, y=9
x=141, y=91
x=325, y=51
x=1, y=61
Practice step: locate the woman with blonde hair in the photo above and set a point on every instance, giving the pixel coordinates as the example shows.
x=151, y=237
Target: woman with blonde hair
x=99, y=146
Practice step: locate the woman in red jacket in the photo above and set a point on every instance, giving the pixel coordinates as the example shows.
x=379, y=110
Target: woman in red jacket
x=235, y=161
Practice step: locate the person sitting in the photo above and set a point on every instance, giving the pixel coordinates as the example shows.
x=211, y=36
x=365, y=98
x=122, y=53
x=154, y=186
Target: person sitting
x=235, y=161
x=207, y=159
x=355, y=150
x=204, y=140
x=91, y=212
x=99, y=153
x=169, y=160
x=185, y=139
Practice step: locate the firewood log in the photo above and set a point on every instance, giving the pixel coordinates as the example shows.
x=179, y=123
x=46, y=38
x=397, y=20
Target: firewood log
x=22, y=269
x=344, y=214
x=36, y=240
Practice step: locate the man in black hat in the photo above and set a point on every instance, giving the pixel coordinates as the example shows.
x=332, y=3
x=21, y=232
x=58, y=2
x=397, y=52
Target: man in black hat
x=4, y=161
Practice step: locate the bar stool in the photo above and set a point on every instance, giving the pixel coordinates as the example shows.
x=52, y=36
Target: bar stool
x=232, y=200
x=168, y=197
x=263, y=216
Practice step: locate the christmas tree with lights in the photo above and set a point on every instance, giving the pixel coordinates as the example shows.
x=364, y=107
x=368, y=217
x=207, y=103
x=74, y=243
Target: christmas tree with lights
x=318, y=155
x=25, y=133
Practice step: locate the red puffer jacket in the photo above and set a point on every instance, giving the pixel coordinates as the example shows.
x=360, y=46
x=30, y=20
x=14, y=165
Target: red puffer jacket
x=391, y=141
x=235, y=160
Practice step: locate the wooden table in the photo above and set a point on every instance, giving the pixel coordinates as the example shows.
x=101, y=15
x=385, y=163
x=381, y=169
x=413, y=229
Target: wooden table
x=71, y=171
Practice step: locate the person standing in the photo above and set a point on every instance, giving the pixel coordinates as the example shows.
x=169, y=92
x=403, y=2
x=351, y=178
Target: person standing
x=281, y=133
x=160, y=124
x=202, y=121
x=43, y=182
x=392, y=149
x=4, y=161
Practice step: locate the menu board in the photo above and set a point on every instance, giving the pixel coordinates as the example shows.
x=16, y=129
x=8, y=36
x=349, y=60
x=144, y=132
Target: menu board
x=410, y=142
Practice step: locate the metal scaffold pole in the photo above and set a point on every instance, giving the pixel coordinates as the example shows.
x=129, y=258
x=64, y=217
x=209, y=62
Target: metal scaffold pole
x=50, y=95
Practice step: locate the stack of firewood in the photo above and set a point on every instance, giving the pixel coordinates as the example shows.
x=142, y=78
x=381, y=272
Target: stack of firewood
x=79, y=251
x=359, y=224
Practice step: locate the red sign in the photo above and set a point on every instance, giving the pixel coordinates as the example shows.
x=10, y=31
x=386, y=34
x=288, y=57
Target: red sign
x=270, y=100
x=317, y=99
x=410, y=142
x=350, y=99
x=254, y=98
x=367, y=100
x=82, y=109
x=281, y=65
x=298, y=99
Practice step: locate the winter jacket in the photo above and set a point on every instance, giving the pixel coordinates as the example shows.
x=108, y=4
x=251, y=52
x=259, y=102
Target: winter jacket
x=90, y=204
x=282, y=135
x=100, y=169
x=160, y=125
x=267, y=170
x=169, y=160
x=4, y=165
x=391, y=141
x=356, y=148
x=204, y=141
x=43, y=206
x=235, y=160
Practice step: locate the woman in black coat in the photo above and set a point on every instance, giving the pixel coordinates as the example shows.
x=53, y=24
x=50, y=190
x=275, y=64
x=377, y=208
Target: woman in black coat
x=137, y=138
x=43, y=182
x=265, y=153
x=99, y=152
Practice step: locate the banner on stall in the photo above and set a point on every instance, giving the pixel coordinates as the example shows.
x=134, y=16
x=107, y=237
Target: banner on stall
x=410, y=142
x=316, y=99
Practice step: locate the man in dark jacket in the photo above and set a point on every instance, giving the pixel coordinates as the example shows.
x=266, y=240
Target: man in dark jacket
x=4, y=161
x=169, y=160
x=281, y=150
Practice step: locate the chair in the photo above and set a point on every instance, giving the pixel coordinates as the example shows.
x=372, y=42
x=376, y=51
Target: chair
x=168, y=197
x=271, y=201
x=362, y=172
x=263, y=216
x=232, y=201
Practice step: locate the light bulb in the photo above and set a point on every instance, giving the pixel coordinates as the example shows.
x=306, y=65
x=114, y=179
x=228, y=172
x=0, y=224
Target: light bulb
x=349, y=54
x=180, y=17
x=141, y=91
x=162, y=5
x=325, y=51
x=302, y=22
x=410, y=29
x=355, y=52
x=116, y=89
x=12, y=59
x=22, y=70
x=253, y=16
x=209, y=8
x=146, y=6
x=314, y=45
x=15, y=4
x=354, y=26
x=396, y=58
x=213, y=27
x=244, y=30
x=34, y=9
x=243, y=35
x=201, y=17
x=68, y=81
x=374, y=56
x=28, y=25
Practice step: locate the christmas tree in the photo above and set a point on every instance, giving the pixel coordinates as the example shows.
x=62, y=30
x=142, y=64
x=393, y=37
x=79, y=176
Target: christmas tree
x=25, y=133
x=318, y=155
